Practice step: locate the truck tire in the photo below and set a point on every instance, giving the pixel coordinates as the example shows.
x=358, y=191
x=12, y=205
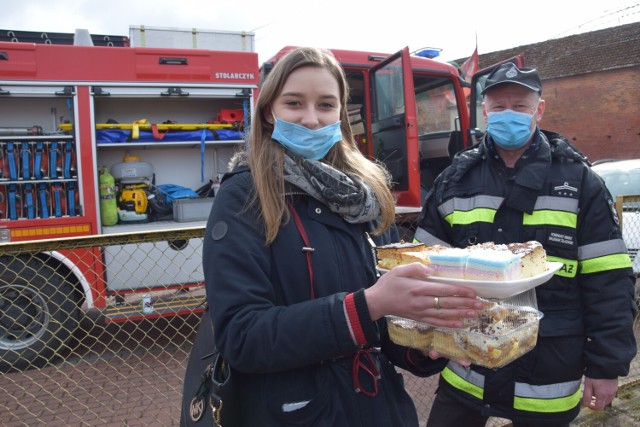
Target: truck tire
x=38, y=313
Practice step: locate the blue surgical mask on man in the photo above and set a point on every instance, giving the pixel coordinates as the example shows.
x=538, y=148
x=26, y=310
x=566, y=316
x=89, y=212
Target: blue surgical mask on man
x=311, y=144
x=509, y=129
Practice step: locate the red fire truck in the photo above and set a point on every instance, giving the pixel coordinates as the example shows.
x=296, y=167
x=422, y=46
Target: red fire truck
x=151, y=116
x=164, y=117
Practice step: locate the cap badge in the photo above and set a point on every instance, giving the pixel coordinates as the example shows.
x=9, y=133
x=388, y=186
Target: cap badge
x=512, y=73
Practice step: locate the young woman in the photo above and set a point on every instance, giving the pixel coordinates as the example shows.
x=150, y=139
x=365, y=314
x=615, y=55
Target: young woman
x=297, y=306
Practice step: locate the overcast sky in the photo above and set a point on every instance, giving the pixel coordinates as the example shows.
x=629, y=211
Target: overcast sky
x=372, y=25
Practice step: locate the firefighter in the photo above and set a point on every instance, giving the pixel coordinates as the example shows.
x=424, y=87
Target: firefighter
x=297, y=307
x=522, y=183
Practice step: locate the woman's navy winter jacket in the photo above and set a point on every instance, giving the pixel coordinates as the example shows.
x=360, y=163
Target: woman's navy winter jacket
x=288, y=342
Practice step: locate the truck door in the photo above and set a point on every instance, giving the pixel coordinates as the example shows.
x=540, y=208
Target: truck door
x=393, y=125
x=477, y=125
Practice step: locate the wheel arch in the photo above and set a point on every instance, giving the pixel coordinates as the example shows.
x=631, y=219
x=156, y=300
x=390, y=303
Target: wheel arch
x=81, y=284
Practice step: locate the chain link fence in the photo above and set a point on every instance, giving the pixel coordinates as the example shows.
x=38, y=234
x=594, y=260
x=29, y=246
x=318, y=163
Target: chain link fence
x=97, y=330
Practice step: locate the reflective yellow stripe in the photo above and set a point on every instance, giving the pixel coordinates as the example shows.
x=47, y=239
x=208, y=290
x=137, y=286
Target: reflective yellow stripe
x=531, y=398
x=605, y=263
x=459, y=383
x=569, y=269
x=50, y=232
x=559, y=404
x=549, y=217
x=469, y=217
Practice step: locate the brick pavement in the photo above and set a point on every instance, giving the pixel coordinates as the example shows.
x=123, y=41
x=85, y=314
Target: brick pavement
x=141, y=386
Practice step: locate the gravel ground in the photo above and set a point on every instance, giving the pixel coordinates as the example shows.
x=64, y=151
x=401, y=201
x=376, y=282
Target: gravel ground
x=625, y=408
x=623, y=412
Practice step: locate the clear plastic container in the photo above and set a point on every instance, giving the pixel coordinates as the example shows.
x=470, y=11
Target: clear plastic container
x=502, y=333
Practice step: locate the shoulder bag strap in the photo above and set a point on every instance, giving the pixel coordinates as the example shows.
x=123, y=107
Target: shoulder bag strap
x=307, y=249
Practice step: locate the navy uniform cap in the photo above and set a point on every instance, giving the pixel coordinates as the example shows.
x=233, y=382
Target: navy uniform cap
x=510, y=73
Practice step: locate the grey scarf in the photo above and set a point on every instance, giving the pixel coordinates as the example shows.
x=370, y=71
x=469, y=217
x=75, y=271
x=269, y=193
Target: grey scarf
x=345, y=195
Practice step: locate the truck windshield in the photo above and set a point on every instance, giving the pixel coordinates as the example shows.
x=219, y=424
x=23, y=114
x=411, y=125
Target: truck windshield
x=438, y=120
x=436, y=105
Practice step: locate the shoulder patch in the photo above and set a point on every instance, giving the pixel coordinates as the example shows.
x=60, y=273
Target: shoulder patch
x=565, y=189
x=219, y=230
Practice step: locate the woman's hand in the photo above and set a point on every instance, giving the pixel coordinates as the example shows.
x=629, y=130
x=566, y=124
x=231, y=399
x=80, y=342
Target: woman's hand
x=406, y=291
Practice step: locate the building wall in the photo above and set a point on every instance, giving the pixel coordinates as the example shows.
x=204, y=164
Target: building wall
x=598, y=112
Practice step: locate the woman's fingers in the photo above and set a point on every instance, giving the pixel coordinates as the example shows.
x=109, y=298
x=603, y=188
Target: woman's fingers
x=453, y=321
x=406, y=291
x=455, y=302
x=421, y=272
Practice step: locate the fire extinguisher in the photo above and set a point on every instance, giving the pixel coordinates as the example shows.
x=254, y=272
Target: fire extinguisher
x=108, y=202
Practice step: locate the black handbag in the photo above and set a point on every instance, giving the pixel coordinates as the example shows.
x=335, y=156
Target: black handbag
x=205, y=377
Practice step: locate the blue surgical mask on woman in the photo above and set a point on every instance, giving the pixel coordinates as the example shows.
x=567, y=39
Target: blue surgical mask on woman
x=509, y=129
x=311, y=144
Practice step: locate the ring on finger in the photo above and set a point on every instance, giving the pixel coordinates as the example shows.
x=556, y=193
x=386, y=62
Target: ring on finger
x=437, y=303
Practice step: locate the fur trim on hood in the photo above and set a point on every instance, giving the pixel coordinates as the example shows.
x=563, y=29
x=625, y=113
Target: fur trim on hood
x=239, y=158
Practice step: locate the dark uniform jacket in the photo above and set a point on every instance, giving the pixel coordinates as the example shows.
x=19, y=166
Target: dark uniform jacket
x=551, y=196
x=291, y=345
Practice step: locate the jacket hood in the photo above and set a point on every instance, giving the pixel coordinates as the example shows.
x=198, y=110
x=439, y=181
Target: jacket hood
x=240, y=158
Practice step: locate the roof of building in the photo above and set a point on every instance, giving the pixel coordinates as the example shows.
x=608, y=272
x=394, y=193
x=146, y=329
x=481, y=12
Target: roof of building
x=595, y=51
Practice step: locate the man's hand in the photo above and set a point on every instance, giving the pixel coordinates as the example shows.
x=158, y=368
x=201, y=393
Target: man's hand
x=435, y=355
x=598, y=393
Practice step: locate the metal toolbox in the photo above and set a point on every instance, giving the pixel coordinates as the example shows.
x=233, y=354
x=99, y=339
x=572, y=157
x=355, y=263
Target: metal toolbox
x=153, y=264
x=185, y=210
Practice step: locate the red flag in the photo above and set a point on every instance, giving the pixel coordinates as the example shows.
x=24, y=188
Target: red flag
x=470, y=66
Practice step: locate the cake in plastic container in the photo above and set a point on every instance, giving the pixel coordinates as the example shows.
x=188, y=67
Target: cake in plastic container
x=502, y=333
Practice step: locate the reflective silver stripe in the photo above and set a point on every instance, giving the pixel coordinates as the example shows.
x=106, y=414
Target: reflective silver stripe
x=556, y=204
x=549, y=391
x=608, y=247
x=468, y=204
x=428, y=238
x=493, y=202
x=467, y=374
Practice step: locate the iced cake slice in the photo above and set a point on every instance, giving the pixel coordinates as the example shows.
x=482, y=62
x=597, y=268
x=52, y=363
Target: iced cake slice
x=499, y=262
x=448, y=262
x=486, y=261
x=389, y=256
x=492, y=264
x=415, y=256
x=533, y=257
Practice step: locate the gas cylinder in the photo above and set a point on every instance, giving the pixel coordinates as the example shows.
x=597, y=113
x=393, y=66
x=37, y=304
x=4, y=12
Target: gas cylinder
x=108, y=202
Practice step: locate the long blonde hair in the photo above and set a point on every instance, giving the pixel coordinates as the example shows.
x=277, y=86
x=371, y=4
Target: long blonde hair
x=266, y=157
